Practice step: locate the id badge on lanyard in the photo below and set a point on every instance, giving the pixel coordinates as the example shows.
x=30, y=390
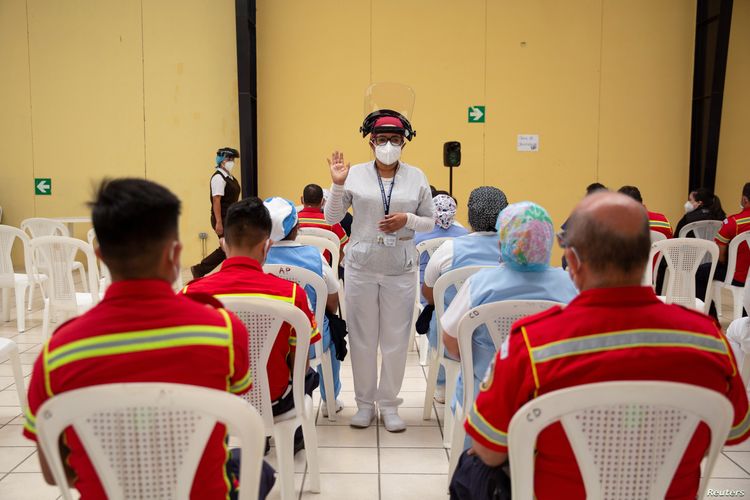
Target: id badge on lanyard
x=386, y=239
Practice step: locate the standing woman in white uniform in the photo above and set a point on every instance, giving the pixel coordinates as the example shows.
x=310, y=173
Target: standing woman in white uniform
x=391, y=200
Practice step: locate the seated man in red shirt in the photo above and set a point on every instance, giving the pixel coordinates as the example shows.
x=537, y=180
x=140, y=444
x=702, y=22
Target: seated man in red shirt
x=247, y=232
x=656, y=221
x=162, y=337
x=614, y=330
x=733, y=226
x=312, y=216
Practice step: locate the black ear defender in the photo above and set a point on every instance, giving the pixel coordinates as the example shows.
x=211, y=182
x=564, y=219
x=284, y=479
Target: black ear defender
x=368, y=125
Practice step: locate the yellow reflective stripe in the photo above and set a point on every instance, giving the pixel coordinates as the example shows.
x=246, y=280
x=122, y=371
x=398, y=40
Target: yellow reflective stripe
x=45, y=369
x=282, y=298
x=531, y=360
x=659, y=223
x=344, y=238
x=131, y=342
x=242, y=384
x=227, y=456
x=184, y=289
x=740, y=429
x=30, y=423
x=721, y=238
x=230, y=345
x=484, y=428
x=625, y=340
x=744, y=220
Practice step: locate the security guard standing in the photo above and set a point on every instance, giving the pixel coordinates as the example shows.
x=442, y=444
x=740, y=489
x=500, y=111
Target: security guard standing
x=225, y=190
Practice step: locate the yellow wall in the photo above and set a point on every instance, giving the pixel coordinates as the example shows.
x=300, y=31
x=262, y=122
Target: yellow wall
x=96, y=88
x=607, y=88
x=732, y=169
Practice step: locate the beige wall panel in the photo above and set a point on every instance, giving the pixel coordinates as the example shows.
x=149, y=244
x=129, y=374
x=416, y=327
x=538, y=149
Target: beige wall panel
x=646, y=92
x=313, y=68
x=190, y=82
x=733, y=169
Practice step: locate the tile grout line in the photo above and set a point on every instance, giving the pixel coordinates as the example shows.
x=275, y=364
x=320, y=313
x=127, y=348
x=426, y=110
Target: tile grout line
x=723, y=453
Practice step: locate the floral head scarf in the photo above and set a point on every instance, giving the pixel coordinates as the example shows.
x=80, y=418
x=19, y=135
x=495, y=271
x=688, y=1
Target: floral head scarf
x=526, y=234
x=445, y=210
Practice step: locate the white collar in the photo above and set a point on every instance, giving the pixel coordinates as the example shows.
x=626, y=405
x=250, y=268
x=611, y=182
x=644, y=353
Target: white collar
x=286, y=243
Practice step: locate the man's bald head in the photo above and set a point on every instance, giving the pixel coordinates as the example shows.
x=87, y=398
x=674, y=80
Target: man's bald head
x=610, y=233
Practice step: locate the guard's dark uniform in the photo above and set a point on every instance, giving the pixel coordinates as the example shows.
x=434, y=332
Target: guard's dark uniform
x=603, y=335
x=231, y=195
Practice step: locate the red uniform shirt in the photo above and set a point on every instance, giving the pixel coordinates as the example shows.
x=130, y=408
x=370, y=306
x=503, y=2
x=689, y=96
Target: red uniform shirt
x=143, y=332
x=605, y=335
x=734, y=225
x=313, y=217
x=244, y=276
x=659, y=223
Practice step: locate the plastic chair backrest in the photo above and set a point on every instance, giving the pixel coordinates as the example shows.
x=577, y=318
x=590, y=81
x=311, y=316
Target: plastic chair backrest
x=303, y=277
x=41, y=226
x=263, y=318
x=105, y=276
x=8, y=235
x=702, y=229
x=320, y=233
x=429, y=246
x=683, y=256
x=456, y=278
x=498, y=317
x=145, y=440
x=56, y=255
x=322, y=244
x=657, y=236
x=734, y=246
x=615, y=428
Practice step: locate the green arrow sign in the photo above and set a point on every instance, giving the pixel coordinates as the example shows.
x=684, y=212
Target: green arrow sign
x=476, y=114
x=43, y=186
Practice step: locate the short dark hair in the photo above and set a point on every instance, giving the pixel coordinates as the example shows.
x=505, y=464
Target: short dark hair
x=746, y=190
x=133, y=218
x=631, y=191
x=312, y=195
x=605, y=248
x=594, y=187
x=247, y=223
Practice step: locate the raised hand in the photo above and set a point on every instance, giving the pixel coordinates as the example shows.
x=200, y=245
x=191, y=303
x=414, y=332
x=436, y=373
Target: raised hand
x=339, y=170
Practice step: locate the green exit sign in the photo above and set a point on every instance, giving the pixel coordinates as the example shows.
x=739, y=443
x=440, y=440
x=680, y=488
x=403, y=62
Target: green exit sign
x=43, y=186
x=476, y=114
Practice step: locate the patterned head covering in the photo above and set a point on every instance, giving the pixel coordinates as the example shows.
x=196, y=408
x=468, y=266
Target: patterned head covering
x=526, y=234
x=283, y=217
x=485, y=203
x=445, y=210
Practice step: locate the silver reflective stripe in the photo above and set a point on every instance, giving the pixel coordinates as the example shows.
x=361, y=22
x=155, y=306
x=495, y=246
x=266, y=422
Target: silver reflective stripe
x=490, y=433
x=639, y=338
x=741, y=428
x=54, y=359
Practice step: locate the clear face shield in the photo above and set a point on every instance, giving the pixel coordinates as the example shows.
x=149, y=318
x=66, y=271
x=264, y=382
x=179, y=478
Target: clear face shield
x=388, y=99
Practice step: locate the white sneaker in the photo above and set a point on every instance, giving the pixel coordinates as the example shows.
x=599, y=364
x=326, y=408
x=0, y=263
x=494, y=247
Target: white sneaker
x=324, y=407
x=440, y=394
x=391, y=420
x=363, y=418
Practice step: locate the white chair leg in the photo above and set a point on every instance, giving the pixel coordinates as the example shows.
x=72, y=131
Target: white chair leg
x=424, y=348
x=737, y=302
x=6, y=304
x=718, y=290
x=283, y=436
x=342, y=302
x=45, y=319
x=451, y=374
x=31, y=296
x=429, y=393
x=327, y=369
x=15, y=363
x=457, y=442
x=85, y=281
x=311, y=451
x=20, y=308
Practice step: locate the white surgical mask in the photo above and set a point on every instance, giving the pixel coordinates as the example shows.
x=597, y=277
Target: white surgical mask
x=229, y=166
x=388, y=154
x=689, y=207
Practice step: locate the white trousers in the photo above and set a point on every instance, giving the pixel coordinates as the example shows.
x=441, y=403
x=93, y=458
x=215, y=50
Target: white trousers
x=379, y=312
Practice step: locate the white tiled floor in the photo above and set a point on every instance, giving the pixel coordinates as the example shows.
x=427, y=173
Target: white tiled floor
x=363, y=464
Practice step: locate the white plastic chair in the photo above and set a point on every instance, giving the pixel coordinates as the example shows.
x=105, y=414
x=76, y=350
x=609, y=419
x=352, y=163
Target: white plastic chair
x=455, y=278
x=317, y=238
x=19, y=282
x=734, y=245
x=304, y=278
x=9, y=351
x=425, y=247
x=36, y=227
x=263, y=318
x=614, y=426
x=57, y=255
x=702, y=229
x=105, y=277
x=321, y=233
x=127, y=429
x=498, y=317
x=683, y=256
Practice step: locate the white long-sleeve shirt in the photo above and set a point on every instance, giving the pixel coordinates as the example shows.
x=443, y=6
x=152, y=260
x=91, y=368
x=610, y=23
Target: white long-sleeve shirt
x=411, y=195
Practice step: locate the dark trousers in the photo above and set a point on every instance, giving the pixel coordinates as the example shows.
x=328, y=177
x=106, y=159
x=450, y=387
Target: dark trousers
x=286, y=402
x=210, y=263
x=474, y=480
x=267, y=476
x=701, y=282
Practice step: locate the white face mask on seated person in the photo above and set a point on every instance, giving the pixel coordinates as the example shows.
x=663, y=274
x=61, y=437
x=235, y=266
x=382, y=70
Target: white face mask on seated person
x=689, y=207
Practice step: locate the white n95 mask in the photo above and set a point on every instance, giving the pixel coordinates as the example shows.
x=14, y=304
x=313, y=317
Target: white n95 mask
x=388, y=154
x=229, y=166
x=689, y=207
